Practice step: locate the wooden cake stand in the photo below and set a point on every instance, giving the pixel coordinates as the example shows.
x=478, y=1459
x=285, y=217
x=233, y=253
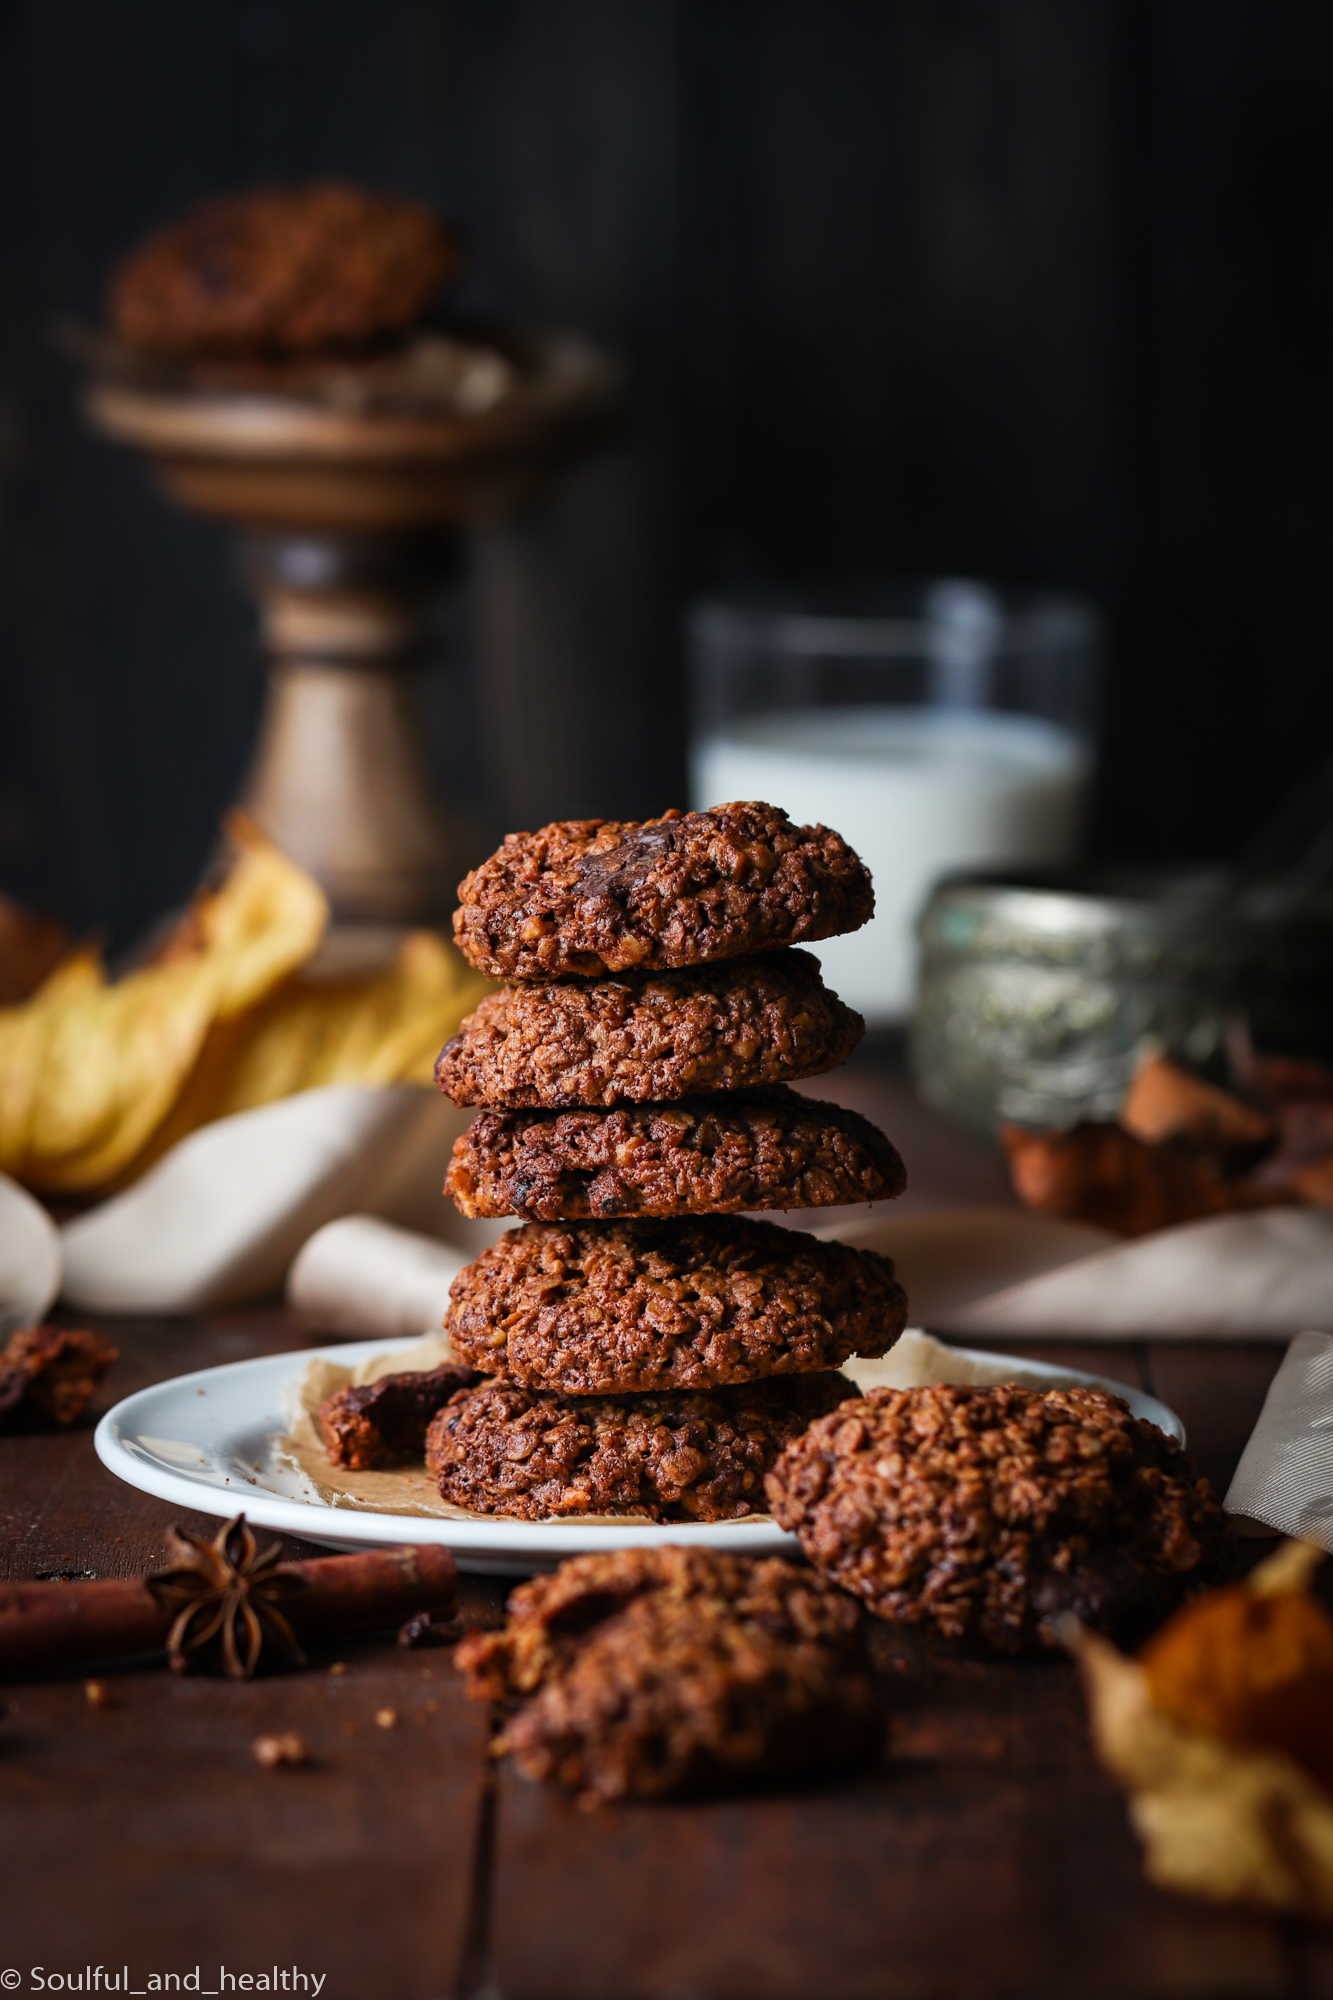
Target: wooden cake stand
x=351, y=488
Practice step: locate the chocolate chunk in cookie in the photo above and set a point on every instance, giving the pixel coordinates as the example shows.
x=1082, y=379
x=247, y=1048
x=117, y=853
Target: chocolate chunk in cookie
x=594, y=896
x=607, y=1308
x=700, y=1156
x=682, y=1456
x=652, y=1672
x=985, y=1512
x=648, y=1038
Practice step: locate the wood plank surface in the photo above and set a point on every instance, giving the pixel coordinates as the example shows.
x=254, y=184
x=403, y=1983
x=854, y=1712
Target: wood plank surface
x=987, y=1855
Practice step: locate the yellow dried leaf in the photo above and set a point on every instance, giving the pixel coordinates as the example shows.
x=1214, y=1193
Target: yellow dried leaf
x=24, y=1033
x=1253, y=1668
x=89, y=1071
x=265, y=919
x=111, y=1066
x=1225, y=1824
x=383, y=1027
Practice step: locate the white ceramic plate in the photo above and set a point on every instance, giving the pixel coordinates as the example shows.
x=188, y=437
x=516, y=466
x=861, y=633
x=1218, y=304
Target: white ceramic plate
x=206, y=1441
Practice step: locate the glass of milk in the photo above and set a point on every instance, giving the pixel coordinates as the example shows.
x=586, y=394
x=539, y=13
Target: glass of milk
x=937, y=727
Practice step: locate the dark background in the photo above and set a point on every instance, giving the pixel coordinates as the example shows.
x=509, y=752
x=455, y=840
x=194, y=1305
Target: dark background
x=1028, y=289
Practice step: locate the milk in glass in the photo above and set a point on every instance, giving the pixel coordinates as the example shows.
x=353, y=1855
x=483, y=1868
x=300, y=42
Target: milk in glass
x=917, y=792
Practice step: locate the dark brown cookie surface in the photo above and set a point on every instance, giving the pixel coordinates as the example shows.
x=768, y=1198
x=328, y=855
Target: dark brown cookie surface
x=647, y=1038
x=588, y=897
x=283, y=270
x=502, y=1449
x=384, y=1422
x=650, y=1672
x=700, y=1156
x=602, y=1308
x=984, y=1512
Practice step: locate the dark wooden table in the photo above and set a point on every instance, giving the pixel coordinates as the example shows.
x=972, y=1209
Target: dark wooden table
x=987, y=1855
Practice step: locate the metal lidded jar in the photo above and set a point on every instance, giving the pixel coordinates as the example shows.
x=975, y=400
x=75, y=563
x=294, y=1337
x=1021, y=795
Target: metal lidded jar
x=1036, y=999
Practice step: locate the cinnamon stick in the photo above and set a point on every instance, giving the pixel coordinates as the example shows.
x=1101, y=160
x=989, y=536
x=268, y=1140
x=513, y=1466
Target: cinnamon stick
x=56, y=1624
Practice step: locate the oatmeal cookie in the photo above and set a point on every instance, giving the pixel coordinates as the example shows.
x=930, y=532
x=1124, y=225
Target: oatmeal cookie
x=700, y=1156
x=283, y=270
x=502, y=1449
x=607, y=1308
x=384, y=1422
x=648, y=1038
x=644, y=1673
x=592, y=896
x=985, y=1512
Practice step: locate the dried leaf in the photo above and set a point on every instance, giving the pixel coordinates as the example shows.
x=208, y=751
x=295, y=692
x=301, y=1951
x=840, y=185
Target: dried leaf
x=89, y=1070
x=1225, y=1811
x=1167, y=1105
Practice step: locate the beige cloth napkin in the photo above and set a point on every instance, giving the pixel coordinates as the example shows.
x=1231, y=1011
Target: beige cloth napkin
x=993, y=1271
x=219, y=1219
x=1285, y=1476
x=361, y=1276
x=29, y=1259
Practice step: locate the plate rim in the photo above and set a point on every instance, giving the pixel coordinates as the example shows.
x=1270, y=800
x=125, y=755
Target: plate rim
x=503, y=1539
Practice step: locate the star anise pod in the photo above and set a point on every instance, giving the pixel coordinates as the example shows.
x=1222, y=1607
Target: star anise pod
x=226, y=1594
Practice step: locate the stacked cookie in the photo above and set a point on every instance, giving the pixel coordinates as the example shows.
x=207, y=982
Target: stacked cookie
x=644, y=1346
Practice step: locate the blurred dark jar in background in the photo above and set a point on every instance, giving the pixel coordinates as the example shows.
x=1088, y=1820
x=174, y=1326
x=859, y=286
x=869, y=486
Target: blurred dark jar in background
x=1037, y=999
x=937, y=726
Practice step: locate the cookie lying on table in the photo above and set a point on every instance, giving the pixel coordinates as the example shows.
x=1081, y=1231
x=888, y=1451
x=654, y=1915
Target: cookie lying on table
x=647, y=1672
x=49, y=1375
x=985, y=1513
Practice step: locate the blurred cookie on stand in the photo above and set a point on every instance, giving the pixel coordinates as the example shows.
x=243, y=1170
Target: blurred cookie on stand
x=288, y=362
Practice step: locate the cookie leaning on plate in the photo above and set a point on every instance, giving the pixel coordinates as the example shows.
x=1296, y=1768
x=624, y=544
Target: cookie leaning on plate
x=984, y=1512
x=678, y=1456
x=384, y=1422
x=700, y=1156
x=648, y=1038
x=611, y=1308
x=590, y=897
x=650, y=1672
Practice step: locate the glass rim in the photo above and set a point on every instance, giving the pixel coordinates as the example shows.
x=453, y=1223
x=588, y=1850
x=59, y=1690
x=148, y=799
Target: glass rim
x=1035, y=623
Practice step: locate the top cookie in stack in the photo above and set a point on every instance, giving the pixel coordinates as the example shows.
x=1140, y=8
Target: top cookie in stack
x=634, y=1077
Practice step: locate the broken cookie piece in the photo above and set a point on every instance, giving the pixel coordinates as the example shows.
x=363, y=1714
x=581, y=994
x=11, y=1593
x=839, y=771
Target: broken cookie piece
x=49, y=1375
x=384, y=1423
x=651, y=1672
